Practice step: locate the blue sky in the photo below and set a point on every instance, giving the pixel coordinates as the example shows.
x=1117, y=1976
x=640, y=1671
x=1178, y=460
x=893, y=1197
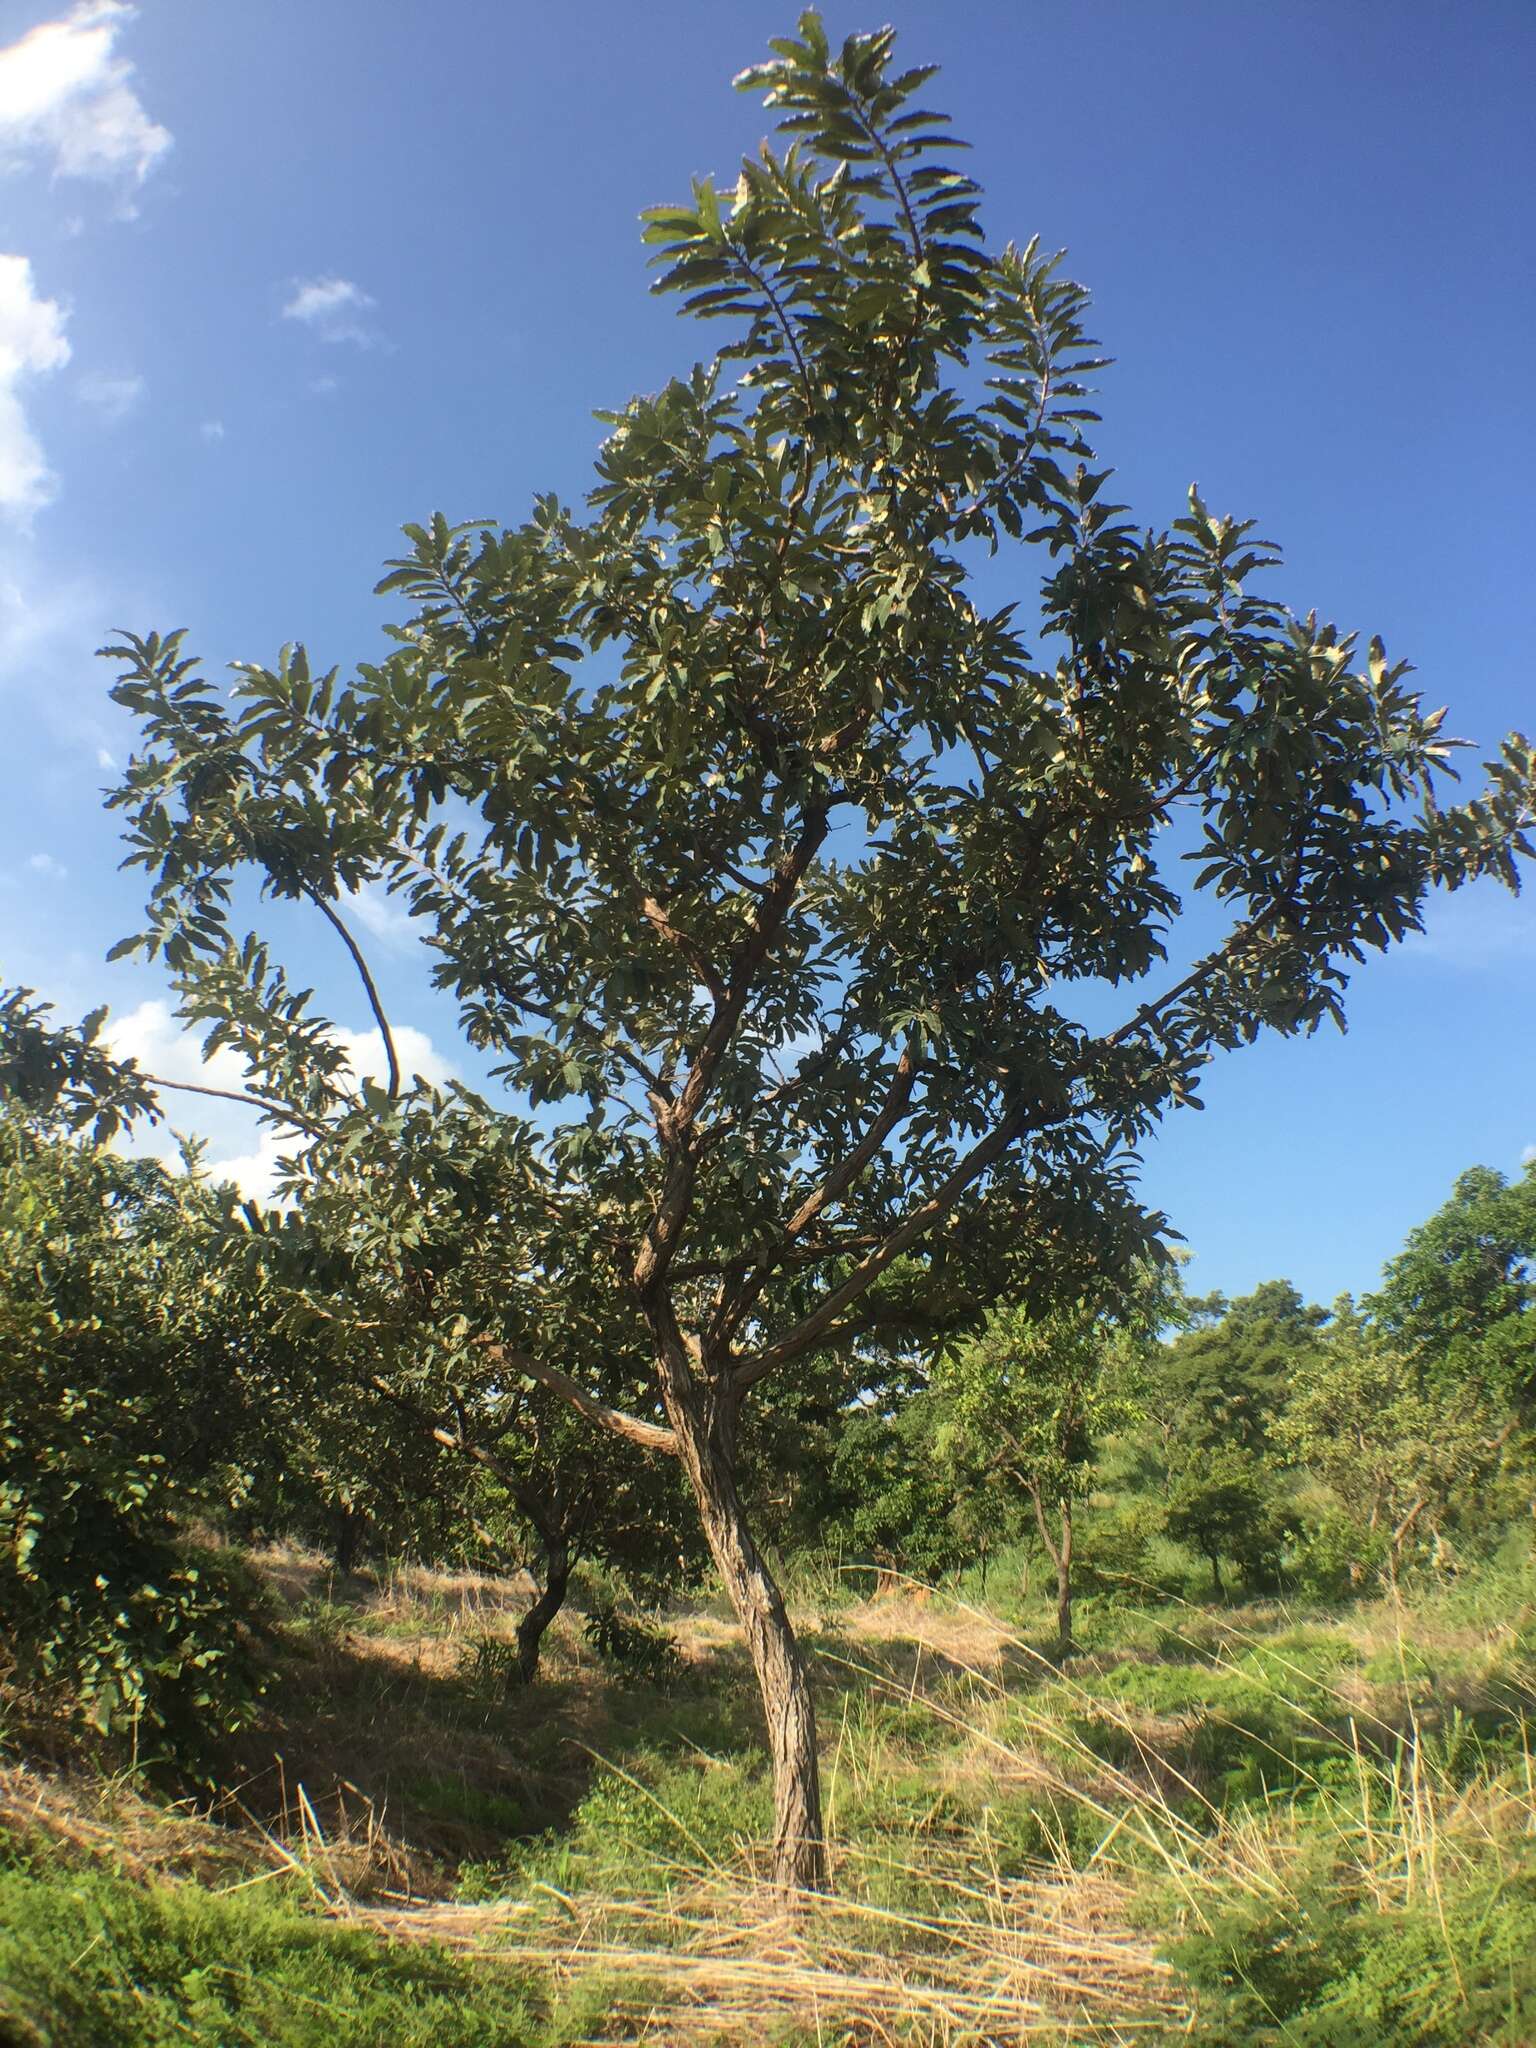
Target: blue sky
x=275, y=278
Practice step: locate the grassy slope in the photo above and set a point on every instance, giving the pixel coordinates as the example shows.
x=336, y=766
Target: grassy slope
x=1328, y=1823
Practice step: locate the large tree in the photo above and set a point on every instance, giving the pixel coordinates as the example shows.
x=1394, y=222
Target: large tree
x=763, y=856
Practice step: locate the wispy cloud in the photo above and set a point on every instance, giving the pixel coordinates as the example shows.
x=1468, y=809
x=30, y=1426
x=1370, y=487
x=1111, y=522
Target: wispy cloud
x=113, y=397
x=31, y=344
x=1479, y=927
x=67, y=96
x=382, y=915
x=334, y=308
x=212, y=430
x=45, y=865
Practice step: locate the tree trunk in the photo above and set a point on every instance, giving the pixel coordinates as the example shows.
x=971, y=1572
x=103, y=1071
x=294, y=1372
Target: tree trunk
x=1060, y=1555
x=1064, y=1578
x=1221, y=1591
x=347, y=1540
x=704, y=1420
x=530, y=1630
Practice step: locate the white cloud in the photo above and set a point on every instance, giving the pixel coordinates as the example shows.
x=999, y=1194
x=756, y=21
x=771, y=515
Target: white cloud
x=383, y=915
x=113, y=397
x=65, y=95
x=105, y=760
x=239, y=1148
x=44, y=864
x=334, y=307
x=212, y=430
x=31, y=344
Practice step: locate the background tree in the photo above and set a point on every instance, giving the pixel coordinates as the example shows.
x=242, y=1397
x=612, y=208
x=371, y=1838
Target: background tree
x=1459, y=1300
x=1230, y=1503
x=762, y=858
x=1034, y=1397
x=129, y=1408
x=1224, y=1382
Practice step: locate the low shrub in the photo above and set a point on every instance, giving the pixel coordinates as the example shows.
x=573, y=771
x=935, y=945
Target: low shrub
x=86, y=1957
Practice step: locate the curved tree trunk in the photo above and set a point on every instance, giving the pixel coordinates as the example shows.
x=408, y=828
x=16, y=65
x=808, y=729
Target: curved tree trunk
x=705, y=1423
x=530, y=1630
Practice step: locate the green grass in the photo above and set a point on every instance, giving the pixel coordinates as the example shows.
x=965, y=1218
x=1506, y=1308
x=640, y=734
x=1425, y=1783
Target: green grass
x=86, y=1957
x=1324, y=1821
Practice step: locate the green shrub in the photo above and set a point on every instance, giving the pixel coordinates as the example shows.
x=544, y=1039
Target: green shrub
x=633, y=1650
x=1327, y=1967
x=87, y=1958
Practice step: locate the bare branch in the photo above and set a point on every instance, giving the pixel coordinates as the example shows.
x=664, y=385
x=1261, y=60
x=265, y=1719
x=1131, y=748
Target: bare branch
x=263, y=1103
x=370, y=987
x=651, y=1436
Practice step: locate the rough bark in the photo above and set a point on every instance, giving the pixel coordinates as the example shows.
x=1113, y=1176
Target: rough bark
x=703, y=1415
x=530, y=1630
x=1060, y=1554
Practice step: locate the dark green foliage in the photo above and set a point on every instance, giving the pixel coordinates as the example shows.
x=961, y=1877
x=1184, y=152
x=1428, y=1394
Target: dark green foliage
x=1331, y=1966
x=1221, y=1385
x=1229, y=1506
x=123, y=1415
x=631, y=1648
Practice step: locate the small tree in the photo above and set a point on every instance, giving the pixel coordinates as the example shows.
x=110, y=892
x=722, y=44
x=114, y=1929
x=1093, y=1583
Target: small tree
x=1228, y=1503
x=1034, y=1399
x=757, y=852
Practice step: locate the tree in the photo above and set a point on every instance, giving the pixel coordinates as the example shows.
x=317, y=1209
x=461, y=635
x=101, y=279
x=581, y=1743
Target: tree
x=127, y=1369
x=1225, y=1381
x=756, y=851
x=1397, y=1456
x=1035, y=1397
x=1459, y=1300
x=1227, y=1504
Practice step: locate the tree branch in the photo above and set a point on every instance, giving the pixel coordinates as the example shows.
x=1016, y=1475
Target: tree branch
x=263, y=1103
x=985, y=1153
x=370, y=987
x=676, y=1126
x=841, y=1177
x=650, y=1436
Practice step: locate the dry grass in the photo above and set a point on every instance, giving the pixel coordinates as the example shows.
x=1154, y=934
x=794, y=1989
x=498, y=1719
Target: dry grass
x=933, y=1935
x=720, y=1959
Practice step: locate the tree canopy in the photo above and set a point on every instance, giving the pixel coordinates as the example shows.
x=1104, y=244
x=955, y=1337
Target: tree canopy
x=763, y=859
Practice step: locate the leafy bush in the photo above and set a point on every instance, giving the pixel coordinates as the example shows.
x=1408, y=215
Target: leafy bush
x=1336, y=1555
x=121, y=1426
x=634, y=1650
